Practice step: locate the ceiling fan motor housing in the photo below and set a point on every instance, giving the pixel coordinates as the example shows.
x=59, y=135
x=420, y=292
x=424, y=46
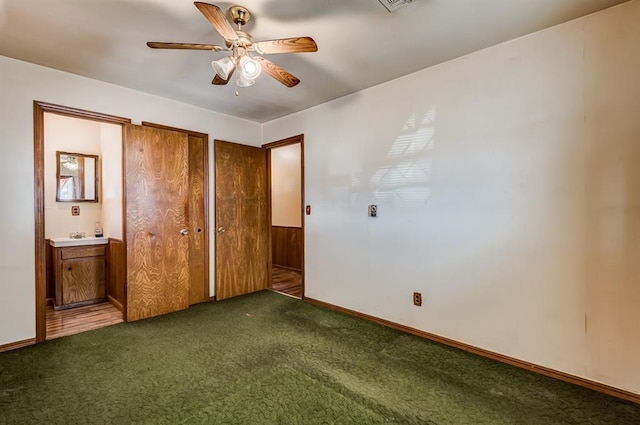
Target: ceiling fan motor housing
x=239, y=15
x=244, y=39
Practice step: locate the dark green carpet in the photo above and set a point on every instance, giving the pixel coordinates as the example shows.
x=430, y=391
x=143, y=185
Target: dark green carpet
x=270, y=359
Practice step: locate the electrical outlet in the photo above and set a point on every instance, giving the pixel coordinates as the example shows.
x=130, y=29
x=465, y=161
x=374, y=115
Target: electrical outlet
x=417, y=299
x=373, y=210
x=75, y=210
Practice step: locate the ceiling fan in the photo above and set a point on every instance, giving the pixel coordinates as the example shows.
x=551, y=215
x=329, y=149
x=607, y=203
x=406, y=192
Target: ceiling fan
x=241, y=45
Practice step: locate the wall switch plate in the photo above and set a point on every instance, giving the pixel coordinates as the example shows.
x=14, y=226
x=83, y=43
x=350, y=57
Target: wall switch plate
x=308, y=209
x=373, y=210
x=75, y=210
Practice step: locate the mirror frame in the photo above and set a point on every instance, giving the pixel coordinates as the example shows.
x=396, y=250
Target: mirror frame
x=96, y=179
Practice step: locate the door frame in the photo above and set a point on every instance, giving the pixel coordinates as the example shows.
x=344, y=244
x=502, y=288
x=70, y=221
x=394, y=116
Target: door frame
x=39, y=109
x=205, y=136
x=278, y=144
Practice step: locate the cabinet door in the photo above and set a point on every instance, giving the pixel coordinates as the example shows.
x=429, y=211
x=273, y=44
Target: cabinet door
x=83, y=280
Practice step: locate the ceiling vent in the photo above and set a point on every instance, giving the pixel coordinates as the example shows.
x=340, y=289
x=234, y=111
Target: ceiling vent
x=393, y=5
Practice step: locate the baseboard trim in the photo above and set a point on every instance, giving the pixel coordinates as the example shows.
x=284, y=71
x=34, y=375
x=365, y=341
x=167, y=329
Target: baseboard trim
x=285, y=294
x=117, y=304
x=566, y=377
x=17, y=344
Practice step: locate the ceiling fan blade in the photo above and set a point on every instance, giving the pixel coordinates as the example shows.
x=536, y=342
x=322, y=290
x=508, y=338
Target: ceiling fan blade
x=186, y=46
x=218, y=81
x=286, y=45
x=216, y=17
x=278, y=73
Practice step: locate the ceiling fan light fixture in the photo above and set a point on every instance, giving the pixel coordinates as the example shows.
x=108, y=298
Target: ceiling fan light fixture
x=71, y=164
x=249, y=68
x=241, y=81
x=223, y=67
x=240, y=43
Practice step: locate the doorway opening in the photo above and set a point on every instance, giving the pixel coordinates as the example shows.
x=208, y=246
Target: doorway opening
x=78, y=194
x=285, y=162
x=81, y=278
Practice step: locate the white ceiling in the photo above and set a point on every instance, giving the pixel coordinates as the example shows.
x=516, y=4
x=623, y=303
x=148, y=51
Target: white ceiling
x=360, y=44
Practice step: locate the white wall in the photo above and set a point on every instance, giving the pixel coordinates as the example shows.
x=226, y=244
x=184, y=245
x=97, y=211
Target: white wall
x=508, y=192
x=111, y=182
x=68, y=134
x=286, y=183
x=20, y=84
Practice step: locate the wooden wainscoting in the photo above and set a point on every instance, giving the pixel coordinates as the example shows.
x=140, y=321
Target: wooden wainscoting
x=50, y=273
x=286, y=247
x=116, y=273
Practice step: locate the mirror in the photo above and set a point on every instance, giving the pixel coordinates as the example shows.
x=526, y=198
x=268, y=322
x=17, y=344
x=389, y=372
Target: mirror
x=77, y=177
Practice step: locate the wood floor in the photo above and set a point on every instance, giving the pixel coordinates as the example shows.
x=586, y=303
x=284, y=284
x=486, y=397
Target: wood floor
x=75, y=320
x=81, y=319
x=286, y=281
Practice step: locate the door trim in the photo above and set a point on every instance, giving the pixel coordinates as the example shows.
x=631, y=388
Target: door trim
x=207, y=254
x=278, y=144
x=39, y=108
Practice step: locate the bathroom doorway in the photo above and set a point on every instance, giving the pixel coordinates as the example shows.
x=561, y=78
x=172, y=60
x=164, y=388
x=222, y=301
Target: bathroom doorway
x=285, y=159
x=79, y=221
x=82, y=225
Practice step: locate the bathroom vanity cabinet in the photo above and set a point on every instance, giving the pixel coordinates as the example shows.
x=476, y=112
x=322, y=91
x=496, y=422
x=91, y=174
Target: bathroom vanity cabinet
x=79, y=274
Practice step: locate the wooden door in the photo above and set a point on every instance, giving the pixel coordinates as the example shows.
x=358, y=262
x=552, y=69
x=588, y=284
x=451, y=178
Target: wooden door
x=198, y=211
x=198, y=253
x=156, y=190
x=242, y=219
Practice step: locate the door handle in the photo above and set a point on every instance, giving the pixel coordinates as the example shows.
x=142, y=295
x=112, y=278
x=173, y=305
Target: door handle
x=184, y=232
x=221, y=229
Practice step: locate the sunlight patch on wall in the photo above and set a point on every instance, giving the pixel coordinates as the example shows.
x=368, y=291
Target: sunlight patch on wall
x=405, y=181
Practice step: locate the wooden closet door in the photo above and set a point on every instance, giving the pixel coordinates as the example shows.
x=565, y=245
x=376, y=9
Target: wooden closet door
x=198, y=252
x=197, y=213
x=242, y=219
x=156, y=198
